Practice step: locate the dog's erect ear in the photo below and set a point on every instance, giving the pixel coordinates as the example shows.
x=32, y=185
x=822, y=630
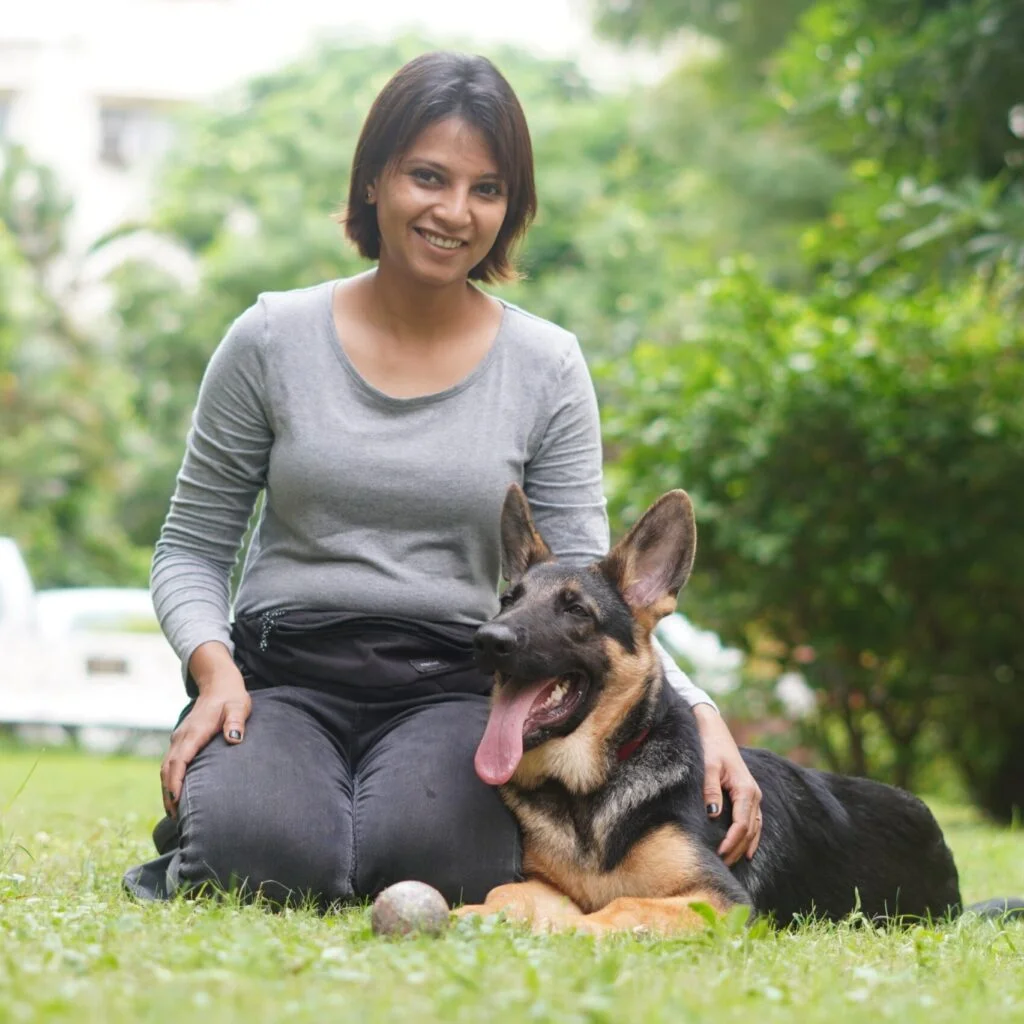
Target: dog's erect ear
x=521, y=544
x=651, y=564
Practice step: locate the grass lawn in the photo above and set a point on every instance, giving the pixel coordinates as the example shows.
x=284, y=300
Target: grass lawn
x=75, y=949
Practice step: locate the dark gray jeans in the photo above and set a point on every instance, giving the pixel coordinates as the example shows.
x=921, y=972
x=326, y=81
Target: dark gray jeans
x=334, y=798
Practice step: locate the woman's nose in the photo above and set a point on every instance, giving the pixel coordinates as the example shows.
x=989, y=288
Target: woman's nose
x=453, y=208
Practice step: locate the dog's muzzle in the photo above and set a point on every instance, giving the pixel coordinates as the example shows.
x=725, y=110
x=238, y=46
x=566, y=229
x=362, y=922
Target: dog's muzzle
x=495, y=646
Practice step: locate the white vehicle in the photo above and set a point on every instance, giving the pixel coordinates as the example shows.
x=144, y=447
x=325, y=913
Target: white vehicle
x=86, y=662
x=17, y=595
x=94, y=610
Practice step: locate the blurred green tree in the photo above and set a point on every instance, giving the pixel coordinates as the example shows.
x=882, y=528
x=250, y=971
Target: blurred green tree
x=920, y=99
x=926, y=87
x=853, y=442
x=752, y=31
x=924, y=100
x=64, y=414
x=856, y=480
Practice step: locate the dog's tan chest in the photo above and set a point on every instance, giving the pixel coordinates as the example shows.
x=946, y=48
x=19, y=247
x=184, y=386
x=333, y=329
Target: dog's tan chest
x=662, y=863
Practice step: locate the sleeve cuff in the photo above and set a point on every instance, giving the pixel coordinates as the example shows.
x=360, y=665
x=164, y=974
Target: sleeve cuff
x=680, y=681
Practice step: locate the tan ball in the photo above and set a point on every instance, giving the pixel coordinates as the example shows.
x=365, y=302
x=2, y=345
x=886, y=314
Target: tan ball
x=409, y=908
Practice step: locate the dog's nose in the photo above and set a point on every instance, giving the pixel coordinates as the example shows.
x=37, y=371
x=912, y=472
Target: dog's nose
x=494, y=644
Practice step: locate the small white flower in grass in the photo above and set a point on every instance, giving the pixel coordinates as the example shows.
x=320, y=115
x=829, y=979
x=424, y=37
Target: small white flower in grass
x=865, y=972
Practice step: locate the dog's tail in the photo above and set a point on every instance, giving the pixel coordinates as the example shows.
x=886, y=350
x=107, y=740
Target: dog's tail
x=1002, y=908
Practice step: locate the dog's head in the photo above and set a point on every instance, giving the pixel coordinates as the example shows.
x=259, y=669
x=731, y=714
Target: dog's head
x=571, y=647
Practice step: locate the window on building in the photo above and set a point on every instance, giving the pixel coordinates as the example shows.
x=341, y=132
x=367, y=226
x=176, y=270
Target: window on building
x=6, y=102
x=131, y=134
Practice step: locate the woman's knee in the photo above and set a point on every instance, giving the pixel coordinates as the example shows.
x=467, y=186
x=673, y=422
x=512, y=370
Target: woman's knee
x=258, y=840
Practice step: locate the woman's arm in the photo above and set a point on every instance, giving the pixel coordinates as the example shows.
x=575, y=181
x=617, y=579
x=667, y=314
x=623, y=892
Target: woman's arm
x=563, y=482
x=680, y=681
x=224, y=469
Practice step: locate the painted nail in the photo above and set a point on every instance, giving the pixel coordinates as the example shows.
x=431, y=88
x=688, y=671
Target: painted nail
x=234, y=735
x=712, y=808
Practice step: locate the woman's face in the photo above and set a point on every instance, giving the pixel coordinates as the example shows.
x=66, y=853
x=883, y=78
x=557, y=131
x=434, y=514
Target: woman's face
x=441, y=205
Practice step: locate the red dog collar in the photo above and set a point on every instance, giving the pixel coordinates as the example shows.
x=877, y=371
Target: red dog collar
x=630, y=748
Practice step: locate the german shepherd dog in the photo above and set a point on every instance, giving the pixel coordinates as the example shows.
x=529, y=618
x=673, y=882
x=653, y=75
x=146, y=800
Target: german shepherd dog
x=601, y=763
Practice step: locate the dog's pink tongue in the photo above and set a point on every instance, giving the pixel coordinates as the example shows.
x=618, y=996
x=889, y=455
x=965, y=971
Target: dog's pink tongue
x=501, y=749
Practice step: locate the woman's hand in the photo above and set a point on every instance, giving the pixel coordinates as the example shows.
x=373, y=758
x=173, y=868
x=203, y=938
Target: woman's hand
x=223, y=705
x=724, y=767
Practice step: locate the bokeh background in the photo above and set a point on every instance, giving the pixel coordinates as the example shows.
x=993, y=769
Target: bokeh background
x=789, y=234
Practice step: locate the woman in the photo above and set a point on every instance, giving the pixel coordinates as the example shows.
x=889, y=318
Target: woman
x=329, y=748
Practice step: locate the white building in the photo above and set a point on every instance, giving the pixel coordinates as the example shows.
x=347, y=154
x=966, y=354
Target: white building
x=87, y=89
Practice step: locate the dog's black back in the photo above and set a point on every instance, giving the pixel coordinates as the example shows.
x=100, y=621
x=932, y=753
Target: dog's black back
x=832, y=844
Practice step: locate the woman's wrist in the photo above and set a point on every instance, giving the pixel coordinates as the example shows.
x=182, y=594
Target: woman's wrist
x=705, y=711
x=213, y=668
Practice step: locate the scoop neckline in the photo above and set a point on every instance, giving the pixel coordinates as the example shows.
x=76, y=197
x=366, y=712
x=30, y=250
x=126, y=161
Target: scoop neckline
x=415, y=400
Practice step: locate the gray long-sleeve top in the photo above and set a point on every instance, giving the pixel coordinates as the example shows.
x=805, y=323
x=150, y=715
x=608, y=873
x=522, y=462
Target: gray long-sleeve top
x=373, y=504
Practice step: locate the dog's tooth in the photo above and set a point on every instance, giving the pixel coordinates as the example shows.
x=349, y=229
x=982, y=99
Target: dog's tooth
x=557, y=696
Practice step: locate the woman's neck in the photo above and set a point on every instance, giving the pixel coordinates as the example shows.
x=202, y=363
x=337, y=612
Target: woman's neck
x=414, y=312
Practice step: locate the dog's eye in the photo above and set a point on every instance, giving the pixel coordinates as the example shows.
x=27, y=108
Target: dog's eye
x=509, y=596
x=579, y=610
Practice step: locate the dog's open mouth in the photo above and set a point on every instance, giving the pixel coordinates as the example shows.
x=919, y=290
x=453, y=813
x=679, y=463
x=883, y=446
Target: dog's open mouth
x=556, y=702
x=516, y=712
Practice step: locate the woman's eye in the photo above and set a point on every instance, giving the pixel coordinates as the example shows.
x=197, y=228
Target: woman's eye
x=427, y=177
x=491, y=189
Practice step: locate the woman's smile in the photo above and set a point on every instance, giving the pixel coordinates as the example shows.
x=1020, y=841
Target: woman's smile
x=439, y=241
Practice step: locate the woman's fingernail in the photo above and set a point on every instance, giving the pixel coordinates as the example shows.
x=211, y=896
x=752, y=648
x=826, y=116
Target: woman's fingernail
x=234, y=735
x=712, y=808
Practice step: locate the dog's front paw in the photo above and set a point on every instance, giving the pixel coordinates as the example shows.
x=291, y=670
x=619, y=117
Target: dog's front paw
x=474, y=910
x=585, y=926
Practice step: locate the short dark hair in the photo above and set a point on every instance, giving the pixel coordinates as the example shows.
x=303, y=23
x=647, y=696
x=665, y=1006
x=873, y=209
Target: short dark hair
x=432, y=88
